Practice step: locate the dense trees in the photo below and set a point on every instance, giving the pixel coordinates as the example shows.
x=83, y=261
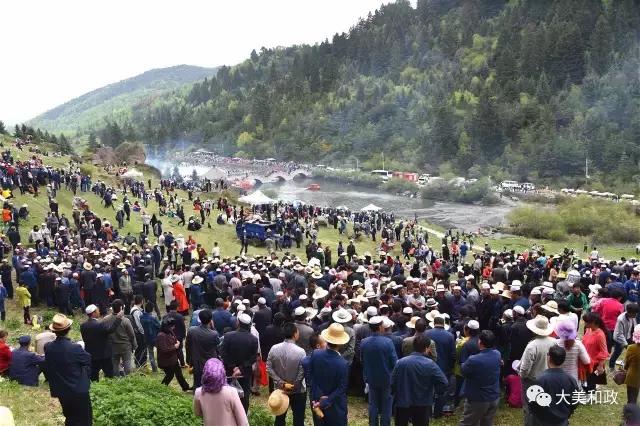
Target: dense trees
x=23, y=131
x=527, y=89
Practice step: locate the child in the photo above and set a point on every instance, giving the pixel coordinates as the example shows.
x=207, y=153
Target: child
x=513, y=386
x=3, y=296
x=24, y=300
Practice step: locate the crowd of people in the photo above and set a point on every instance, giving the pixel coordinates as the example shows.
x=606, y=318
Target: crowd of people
x=416, y=334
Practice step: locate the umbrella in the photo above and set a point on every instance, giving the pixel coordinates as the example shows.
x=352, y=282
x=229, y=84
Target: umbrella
x=256, y=198
x=370, y=208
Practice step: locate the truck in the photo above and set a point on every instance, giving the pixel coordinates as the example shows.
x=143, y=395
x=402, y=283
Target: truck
x=256, y=230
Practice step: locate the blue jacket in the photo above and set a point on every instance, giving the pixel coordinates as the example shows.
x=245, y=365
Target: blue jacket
x=482, y=376
x=628, y=287
x=67, y=367
x=445, y=348
x=329, y=375
x=223, y=319
x=3, y=295
x=415, y=380
x=151, y=326
x=25, y=367
x=379, y=356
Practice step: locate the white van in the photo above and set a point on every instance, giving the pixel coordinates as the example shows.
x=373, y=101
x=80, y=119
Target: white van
x=509, y=185
x=383, y=174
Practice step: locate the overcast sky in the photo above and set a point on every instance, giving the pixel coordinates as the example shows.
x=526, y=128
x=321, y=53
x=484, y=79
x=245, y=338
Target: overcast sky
x=54, y=51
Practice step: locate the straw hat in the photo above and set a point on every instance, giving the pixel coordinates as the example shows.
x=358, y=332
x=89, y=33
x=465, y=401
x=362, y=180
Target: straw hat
x=319, y=293
x=60, y=322
x=341, y=316
x=335, y=334
x=87, y=266
x=506, y=294
x=499, y=286
x=540, y=326
x=278, y=402
x=412, y=322
x=431, y=315
x=551, y=306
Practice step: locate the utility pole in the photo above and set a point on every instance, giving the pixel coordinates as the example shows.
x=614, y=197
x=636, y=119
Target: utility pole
x=586, y=168
x=383, y=161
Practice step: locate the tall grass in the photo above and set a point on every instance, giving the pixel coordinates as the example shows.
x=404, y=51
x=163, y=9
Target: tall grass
x=602, y=222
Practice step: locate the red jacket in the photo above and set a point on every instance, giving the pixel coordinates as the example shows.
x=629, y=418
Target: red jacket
x=609, y=309
x=5, y=357
x=181, y=297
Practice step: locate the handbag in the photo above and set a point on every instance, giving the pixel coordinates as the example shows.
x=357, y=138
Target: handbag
x=619, y=377
x=597, y=379
x=234, y=383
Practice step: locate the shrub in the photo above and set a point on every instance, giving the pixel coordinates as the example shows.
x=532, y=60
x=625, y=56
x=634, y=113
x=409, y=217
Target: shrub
x=398, y=185
x=140, y=401
x=258, y=416
x=601, y=221
x=479, y=191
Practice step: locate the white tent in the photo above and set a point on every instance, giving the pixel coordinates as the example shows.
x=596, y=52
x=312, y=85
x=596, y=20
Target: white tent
x=256, y=198
x=132, y=173
x=370, y=208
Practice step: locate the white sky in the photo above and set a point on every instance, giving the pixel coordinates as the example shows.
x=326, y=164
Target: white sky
x=53, y=51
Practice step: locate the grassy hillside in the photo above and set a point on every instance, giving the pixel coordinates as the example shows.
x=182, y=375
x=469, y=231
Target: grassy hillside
x=116, y=101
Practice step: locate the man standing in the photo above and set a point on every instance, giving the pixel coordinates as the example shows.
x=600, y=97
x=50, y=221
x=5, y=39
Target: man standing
x=481, y=385
x=240, y=349
x=140, y=354
x=25, y=365
x=446, y=350
x=123, y=339
x=414, y=381
x=378, y=360
x=95, y=335
x=556, y=383
x=534, y=358
x=284, y=365
x=67, y=368
x=329, y=373
x=305, y=331
x=201, y=345
x=262, y=317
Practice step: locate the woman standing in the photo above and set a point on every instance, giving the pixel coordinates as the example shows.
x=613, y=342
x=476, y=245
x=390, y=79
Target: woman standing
x=632, y=365
x=595, y=341
x=576, y=352
x=217, y=403
x=168, y=347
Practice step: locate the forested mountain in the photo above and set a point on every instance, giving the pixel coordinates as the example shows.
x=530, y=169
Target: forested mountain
x=116, y=101
x=525, y=88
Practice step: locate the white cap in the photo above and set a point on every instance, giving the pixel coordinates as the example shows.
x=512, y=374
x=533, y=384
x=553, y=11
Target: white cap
x=244, y=319
x=375, y=320
x=407, y=310
x=518, y=310
x=262, y=301
x=515, y=288
x=303, y=297
x=494, y=291
x=485, y=286
x=372, y=311
x=90, y=309
x=473, y=325
x=508, y=313
x=516, y=282
x=387, y=323
x=299, y=311
x=279, y=293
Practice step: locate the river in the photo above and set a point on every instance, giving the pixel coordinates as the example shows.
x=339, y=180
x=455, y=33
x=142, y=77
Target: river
x=468, y=217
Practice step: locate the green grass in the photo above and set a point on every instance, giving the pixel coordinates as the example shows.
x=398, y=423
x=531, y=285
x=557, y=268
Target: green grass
x=34, y=406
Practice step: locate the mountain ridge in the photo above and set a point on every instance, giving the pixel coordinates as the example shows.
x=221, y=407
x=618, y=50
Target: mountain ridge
x=113, y=100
